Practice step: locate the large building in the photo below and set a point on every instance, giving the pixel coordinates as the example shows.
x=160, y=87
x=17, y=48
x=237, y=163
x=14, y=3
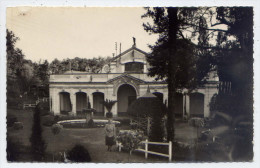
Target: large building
x=124, y=79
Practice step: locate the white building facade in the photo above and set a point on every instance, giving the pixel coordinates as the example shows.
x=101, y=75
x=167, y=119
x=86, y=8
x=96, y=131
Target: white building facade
x=124, y=79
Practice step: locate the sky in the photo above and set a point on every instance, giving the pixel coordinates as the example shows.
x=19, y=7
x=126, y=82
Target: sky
x=69, y=32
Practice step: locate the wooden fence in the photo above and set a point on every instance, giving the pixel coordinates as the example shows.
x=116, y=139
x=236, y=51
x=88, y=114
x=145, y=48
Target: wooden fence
x=146, y=151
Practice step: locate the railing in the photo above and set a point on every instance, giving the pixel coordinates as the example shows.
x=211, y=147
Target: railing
x=146, y=151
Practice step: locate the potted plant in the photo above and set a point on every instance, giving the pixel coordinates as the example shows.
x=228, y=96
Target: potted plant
x=108, y=105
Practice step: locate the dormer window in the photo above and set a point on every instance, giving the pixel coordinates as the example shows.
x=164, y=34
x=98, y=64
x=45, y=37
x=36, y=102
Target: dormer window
x=134, y=67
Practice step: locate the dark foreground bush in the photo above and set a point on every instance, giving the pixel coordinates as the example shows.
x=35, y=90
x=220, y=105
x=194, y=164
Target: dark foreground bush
x=79, y=154
x=11, y=150
x=11, y=119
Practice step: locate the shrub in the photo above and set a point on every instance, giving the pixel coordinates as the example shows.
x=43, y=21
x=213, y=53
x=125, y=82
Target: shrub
x=38, y=145
x=11, y=119
x=11, y=150
x=79, y=154
x=109, y=104
x=56, y=128
x=18, y=125
x=130, y=139
x=48, y=120
x=151, y=108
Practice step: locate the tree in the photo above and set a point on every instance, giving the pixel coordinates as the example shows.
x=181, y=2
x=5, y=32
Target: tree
x=15, y=59
x=235, y=56
x=175, y=58
x=38, y=145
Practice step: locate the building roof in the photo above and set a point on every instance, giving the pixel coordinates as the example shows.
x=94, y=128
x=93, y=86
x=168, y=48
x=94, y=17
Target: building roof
x=126, y=51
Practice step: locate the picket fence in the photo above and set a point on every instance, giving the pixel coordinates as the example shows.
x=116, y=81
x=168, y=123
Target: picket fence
x=146, y=151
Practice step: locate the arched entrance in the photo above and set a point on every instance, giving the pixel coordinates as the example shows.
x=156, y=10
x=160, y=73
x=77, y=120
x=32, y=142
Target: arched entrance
x=98, y=99
x=81, y=102
x=126, y=94
x=196, y=104
x=65, y=103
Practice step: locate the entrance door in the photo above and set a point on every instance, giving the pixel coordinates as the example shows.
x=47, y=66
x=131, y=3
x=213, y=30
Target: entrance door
x=125, y=96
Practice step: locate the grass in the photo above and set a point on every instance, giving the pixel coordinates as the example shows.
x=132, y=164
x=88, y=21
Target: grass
x=93, y=139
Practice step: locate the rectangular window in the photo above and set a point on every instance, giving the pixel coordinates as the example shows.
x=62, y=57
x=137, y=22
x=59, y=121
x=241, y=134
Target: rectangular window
x=134, y=67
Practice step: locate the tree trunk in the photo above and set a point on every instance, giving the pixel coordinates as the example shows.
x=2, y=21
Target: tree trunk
x=173, y=27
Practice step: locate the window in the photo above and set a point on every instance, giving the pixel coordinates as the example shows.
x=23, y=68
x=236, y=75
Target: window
x=134, y=67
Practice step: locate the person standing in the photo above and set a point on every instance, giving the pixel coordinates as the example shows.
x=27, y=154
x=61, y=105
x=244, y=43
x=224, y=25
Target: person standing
x=110, y=131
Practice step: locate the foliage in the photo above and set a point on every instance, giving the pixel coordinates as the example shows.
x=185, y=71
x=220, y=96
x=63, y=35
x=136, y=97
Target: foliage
x=152, y=108
x=231, y=54
x=78, y=64
x=79, y=154
x=130, y=139
x=235, y=56
x=11, y=119
x=38, y=145
x=18, y=125
x=12, y=152
x=174, y=57
x=109, y=104
x=196, y=122
x=235, y=133
x=56, y=128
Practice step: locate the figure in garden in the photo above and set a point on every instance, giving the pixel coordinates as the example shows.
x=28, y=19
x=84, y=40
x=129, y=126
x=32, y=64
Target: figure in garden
x=110, y=132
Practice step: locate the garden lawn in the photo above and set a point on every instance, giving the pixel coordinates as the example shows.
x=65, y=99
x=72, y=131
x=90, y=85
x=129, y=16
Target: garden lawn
x=91, y=138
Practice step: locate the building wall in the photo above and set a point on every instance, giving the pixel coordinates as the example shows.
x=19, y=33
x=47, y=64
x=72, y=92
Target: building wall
x=109, y=83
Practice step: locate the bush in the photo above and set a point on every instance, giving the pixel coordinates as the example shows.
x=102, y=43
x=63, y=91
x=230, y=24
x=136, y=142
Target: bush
x=48, y=120
x=18, y=125
x=56, y=128
x=79, y=154
x=130, y=139
x=38, y=145
x=11, y=119
x=12, y=150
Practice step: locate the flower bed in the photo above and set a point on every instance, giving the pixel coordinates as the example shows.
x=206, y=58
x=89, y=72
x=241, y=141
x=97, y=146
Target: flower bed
x=81, y=123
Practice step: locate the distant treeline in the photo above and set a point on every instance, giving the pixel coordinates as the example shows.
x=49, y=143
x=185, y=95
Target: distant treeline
x=23, y=74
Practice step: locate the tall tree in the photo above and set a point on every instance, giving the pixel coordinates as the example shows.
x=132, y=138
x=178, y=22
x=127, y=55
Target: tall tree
x=174, y=57
x=38, y=145
x=235, y=55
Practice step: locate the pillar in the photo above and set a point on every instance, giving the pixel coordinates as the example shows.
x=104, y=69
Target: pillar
x=206, y=104
x=56, y=102
x=90, y=99
x=73, y=102
x=184, y=105
x=187, y=105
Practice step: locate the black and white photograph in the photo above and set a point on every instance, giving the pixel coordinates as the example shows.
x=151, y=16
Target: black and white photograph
x=129, y=84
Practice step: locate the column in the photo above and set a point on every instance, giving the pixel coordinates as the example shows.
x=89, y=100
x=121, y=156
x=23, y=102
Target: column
x=145, y=67
x=206, y=103
x=50, y=99
x=184, y=105
x=187, y=105
x=56, y=102
x=87, y=100
x=73, y=102
x=90, y=99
